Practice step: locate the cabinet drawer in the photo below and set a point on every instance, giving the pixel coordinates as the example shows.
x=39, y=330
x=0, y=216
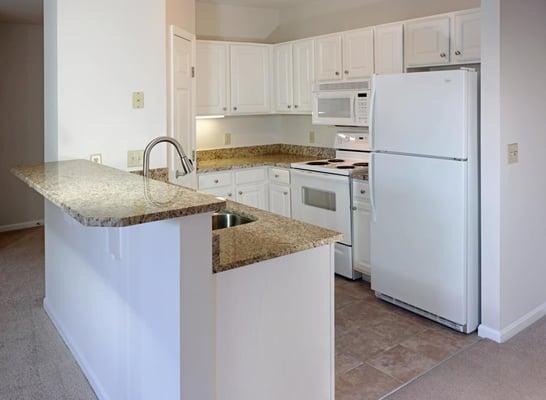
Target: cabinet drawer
x=277, y=175
x=213, y=180
x=250, y=175
x=361, y=191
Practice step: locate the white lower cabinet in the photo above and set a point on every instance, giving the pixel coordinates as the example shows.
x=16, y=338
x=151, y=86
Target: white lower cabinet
x=361, y=228
x=279, y=199
x=253, y=195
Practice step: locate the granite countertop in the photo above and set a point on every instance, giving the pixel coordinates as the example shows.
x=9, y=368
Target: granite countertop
x=97, y=195
x=268, y=237
x=275, y=160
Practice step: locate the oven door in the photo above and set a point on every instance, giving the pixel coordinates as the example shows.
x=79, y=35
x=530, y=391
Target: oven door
x=334, y=108
x=322, y=199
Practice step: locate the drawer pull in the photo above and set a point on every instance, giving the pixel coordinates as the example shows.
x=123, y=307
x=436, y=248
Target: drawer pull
x=216, y=181
x=362, y=191
x=240, y=192
x=276, y=175
x=285, y=193
x=230, y=194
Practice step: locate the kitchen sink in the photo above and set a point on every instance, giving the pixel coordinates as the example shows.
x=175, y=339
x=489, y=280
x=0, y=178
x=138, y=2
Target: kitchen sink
x=229, y=219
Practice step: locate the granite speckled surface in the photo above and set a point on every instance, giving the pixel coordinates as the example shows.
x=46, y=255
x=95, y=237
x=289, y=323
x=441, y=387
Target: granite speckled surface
x=268, y=237
x=277, y=155
x=159, y=174
x=96, y=195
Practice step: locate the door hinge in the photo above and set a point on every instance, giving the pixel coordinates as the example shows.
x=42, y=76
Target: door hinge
x=193, y=72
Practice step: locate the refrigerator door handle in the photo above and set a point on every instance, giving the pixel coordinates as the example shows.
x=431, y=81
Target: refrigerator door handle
x=371, y=182
x=371, y=116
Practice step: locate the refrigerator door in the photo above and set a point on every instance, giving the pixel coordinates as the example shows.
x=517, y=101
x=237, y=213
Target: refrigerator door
x=418, y=233
x=421, y=113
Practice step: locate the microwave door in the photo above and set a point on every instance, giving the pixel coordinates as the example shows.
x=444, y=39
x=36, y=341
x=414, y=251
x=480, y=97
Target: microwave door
x=333, y=109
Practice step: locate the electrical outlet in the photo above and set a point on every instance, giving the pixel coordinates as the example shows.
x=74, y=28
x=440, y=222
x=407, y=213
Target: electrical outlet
x=227, y=138
x=513, y=153
x=96, y=158
x=311, y=136
x=138, y=100
x=135, y=158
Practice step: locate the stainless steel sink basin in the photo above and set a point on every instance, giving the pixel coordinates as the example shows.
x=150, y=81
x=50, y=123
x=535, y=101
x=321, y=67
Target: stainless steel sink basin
x=229, y=219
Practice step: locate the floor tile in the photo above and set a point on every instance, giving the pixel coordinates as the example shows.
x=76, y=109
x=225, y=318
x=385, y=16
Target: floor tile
x=346, y=362
x=433, y=344
x=402, y=363
x=363, y=344
x=364, y=383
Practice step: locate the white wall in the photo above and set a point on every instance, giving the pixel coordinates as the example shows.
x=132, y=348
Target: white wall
x=21, y=118
x=513, y=196
x=103, y=52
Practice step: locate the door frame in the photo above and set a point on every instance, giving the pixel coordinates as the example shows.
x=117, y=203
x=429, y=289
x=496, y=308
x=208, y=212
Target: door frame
x=175, y=31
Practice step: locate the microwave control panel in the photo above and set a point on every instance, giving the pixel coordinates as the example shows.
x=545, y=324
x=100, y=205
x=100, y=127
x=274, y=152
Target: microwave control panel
x=362, y=108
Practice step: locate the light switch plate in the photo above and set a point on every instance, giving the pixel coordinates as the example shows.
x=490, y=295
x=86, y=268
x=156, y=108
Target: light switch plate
x=311, y=136
x=96, y=158
x=138, y=100
x=227, y=138
x=135, y=158
x=513, y=153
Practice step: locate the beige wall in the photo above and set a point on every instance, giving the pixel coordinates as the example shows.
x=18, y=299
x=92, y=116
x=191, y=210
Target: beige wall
x=21, y=118
x=181, y=13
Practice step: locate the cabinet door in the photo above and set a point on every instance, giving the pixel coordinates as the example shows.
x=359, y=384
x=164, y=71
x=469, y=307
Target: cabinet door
x=328, y=57
x=283, y=77
x=389, y=49
x=427, y=42
x=467, y=37
x=358, y=53
x=304, y=75
x=361, y=233
x=279, y=200
x=226, y=192
x=249, y=78
x=254, y=195
x=212, y=78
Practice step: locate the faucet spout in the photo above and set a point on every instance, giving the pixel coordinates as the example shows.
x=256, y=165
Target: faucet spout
x=187, y=165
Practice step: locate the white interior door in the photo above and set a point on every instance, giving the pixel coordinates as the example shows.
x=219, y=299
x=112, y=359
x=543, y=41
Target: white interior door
x=183, y=104
x=418, y=234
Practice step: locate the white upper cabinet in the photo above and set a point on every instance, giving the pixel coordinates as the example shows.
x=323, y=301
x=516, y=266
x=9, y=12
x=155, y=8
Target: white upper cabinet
x=389, y=49
x=466, y=37
x=358, y=54
x=212, y=78
x=304, y=75
x=427, y=41
x=250, y=79
x=282, y=56
x=328, y=58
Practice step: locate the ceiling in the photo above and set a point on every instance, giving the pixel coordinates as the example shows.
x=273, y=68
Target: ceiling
x=21, y=11
x=275, y=4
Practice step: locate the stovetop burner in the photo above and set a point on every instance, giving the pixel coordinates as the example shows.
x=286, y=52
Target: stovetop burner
x=360, y=164
x=317, y=163
x=336, y=160
x=345, y=167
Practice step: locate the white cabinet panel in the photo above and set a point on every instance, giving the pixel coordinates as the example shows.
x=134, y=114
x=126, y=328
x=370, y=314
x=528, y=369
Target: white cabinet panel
x=253, y=195
x=279, y=200
x=389, y=49
x=427, y=41
x=328, y=57
x=466, y=37
x=283, y=77
x=212, y=78
x=358, y=54
x=361, y=237
x=226, y=192
x=215, y=179
x=304, y=75
x=250, y=78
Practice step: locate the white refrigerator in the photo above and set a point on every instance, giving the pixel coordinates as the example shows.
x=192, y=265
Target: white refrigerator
x=425, y=194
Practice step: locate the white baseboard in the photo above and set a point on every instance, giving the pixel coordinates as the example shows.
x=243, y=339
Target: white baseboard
x=82, y=362
x=515, y=327
x=22, y=225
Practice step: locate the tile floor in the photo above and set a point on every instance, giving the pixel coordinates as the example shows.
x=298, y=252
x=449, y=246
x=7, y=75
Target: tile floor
x=380, y=347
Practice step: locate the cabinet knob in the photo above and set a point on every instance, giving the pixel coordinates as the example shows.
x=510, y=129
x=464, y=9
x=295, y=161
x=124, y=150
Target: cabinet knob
x=240, y=192
x=442, y=55
x=346, y=72
x=285, y=193
x=224, y=108
x=276, y=175
x=362, y=191
x=337, y=73
x=216, y=181
x=234, y=108
x=457, y=53
x=289, y=106
x=354, y=208
x=295, y=106
x=230, y=194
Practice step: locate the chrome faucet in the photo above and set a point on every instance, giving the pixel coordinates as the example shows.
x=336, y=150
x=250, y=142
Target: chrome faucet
x=187, y=165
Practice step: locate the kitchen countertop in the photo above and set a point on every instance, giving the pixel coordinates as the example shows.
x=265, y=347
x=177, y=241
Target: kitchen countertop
x=275, y=160
x=97, y=195
x=268, y=237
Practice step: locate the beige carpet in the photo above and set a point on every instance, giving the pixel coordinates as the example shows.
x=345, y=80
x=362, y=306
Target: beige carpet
x=486, y=370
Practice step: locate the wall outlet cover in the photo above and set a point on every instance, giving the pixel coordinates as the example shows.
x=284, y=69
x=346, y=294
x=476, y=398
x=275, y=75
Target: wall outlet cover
x=135, y=158
x=227, y=139
x=138, y=100
x=513, y=153
x=311, y=136
x=96, y=158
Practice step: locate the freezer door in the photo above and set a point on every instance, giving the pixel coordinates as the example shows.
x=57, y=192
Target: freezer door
x=418, y=233
x=421, y=113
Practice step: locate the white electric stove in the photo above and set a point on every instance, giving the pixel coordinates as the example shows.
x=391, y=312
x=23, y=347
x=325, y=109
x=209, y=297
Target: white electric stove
x=322, y=192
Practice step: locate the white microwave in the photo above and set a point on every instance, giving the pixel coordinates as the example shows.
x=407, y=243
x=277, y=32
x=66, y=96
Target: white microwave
x=342, y=103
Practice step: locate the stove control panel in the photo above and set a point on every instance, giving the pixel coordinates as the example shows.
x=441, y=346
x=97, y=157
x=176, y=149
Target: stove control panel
x=353, y=141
